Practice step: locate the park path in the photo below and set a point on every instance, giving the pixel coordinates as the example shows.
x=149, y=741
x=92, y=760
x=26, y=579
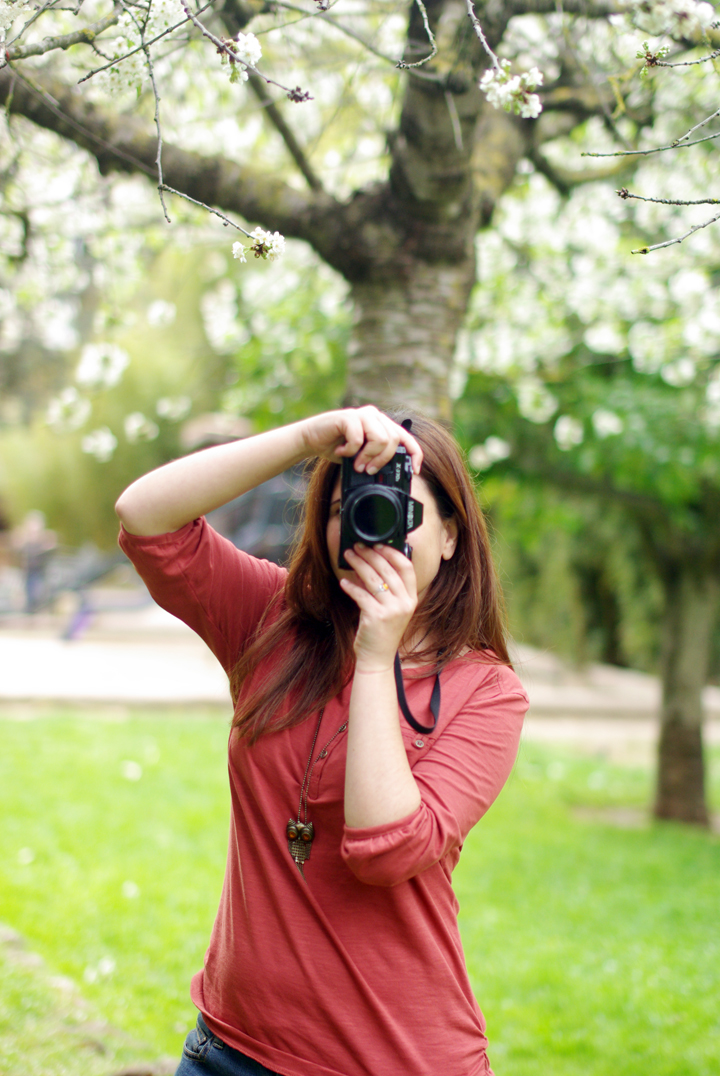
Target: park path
x=143, y=655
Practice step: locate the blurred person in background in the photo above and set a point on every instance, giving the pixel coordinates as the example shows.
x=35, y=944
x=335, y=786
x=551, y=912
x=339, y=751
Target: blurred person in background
x=34, y=545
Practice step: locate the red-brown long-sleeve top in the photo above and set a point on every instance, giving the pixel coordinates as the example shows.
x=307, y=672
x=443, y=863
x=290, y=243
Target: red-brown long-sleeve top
x=357, y=969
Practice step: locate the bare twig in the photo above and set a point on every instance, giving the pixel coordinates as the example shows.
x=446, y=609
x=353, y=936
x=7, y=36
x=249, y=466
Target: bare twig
x=430, y=76
x=657, y=149
x=479, y=31
x=158, y=158
x=139, y=48
x=295, y=94
x=679, y=239
x=202, y=205
x=696, y=127
x=65, y=41
x=687, y=63
x=326, y=17
x=33, y=18
x=624, y=193
x=423, y=11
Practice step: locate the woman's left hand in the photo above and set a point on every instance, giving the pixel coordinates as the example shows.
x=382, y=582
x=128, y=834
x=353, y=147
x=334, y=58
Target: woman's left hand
x=387, y=598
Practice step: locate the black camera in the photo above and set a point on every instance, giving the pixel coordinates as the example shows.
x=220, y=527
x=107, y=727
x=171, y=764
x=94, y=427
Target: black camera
x=378, y=508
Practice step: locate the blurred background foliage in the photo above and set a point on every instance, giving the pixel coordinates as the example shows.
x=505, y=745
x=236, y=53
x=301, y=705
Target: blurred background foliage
x=200, y=338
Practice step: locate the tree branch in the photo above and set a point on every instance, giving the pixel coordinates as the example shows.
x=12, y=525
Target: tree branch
x=125, y=143
x=565, y=180
x=65, y=41
x=277, y=119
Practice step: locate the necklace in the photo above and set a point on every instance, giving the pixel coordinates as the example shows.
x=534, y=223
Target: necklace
x=300, y=835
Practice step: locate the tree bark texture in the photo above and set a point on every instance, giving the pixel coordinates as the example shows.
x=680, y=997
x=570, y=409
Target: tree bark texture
x=404, y=336
x=691, y=605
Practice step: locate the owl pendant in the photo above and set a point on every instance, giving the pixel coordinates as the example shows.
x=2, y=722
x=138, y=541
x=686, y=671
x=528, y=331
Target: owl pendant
x=300, y=838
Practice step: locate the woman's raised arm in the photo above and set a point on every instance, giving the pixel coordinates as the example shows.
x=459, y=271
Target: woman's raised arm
x=171, y=496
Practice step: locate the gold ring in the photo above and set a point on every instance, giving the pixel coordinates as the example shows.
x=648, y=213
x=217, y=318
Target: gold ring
x=383, y=586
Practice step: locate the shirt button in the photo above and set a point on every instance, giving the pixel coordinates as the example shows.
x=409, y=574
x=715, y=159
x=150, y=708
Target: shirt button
x=419, y=743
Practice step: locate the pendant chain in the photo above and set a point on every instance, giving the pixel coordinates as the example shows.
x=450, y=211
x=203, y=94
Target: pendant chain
x=305, y=787
x=299, y=834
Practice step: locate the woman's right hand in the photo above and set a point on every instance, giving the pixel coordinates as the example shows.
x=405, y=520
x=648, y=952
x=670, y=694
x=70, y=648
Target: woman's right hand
x=364, y=431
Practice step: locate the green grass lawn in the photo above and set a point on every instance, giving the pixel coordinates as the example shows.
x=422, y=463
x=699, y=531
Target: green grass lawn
x=593, y=949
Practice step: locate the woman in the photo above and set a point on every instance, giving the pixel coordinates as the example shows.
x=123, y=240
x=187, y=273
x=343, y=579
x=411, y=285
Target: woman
x=336, y=950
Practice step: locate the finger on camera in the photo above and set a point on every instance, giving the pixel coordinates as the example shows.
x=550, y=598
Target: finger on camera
x=401, y=565
x=378, y=570
x=367, y=563
x=351, y=434
x=376, y=452
x=360, y=595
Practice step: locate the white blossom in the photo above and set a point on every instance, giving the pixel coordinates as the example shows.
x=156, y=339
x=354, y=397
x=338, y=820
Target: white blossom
x=606, y=423
x=10, y=10
x=144, y=21
x=646, y=343
x=268, y=245
x=248, y=49
x=604, y=339
x=678, y=18
x=483, y=456
x=101, y=365
x=246, y=52
x=513, y=93
x=535, y=402
x=101, y=444
x=161, y=313
x=54, y=320
x=568, y=432
x=173, y=408
x=680, y=372
x=68, y=411
x=138, y=428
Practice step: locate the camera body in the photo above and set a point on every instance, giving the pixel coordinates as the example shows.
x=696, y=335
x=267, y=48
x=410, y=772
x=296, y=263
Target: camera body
x=378, y=508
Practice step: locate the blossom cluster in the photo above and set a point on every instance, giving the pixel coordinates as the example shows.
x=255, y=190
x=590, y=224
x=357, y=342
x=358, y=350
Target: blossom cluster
x=483, y=456
x=268, y=245
x=101, y=365
x=142, y=23
x=243, y=51
x=10, y=10
x=678, y=18
x=513, y=93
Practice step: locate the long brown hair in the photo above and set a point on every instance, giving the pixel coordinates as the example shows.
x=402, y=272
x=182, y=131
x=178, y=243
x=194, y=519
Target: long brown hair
x=312, y=622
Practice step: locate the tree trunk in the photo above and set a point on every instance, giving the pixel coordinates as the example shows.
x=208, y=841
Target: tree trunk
x=690, y=608
x=404, y=337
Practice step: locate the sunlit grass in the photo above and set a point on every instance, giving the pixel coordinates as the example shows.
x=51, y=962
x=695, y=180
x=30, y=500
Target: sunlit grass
x=592, y=949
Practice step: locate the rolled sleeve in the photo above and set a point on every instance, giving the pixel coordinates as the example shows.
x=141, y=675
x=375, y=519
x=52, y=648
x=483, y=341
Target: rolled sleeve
x=459, y=776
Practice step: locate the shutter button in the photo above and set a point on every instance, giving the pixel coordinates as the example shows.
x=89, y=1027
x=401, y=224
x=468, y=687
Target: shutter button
x=419, y=743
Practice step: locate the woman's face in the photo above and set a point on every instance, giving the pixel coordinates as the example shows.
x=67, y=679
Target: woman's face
x=432, y=542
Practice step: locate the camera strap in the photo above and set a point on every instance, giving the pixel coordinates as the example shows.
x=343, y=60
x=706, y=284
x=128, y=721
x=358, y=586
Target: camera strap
x=434, y=701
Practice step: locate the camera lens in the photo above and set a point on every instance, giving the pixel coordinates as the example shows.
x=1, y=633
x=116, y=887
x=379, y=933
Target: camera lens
x=375, y=514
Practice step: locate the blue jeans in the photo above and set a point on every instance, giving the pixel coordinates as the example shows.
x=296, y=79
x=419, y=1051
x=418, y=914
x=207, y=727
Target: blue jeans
x=205, y=1053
